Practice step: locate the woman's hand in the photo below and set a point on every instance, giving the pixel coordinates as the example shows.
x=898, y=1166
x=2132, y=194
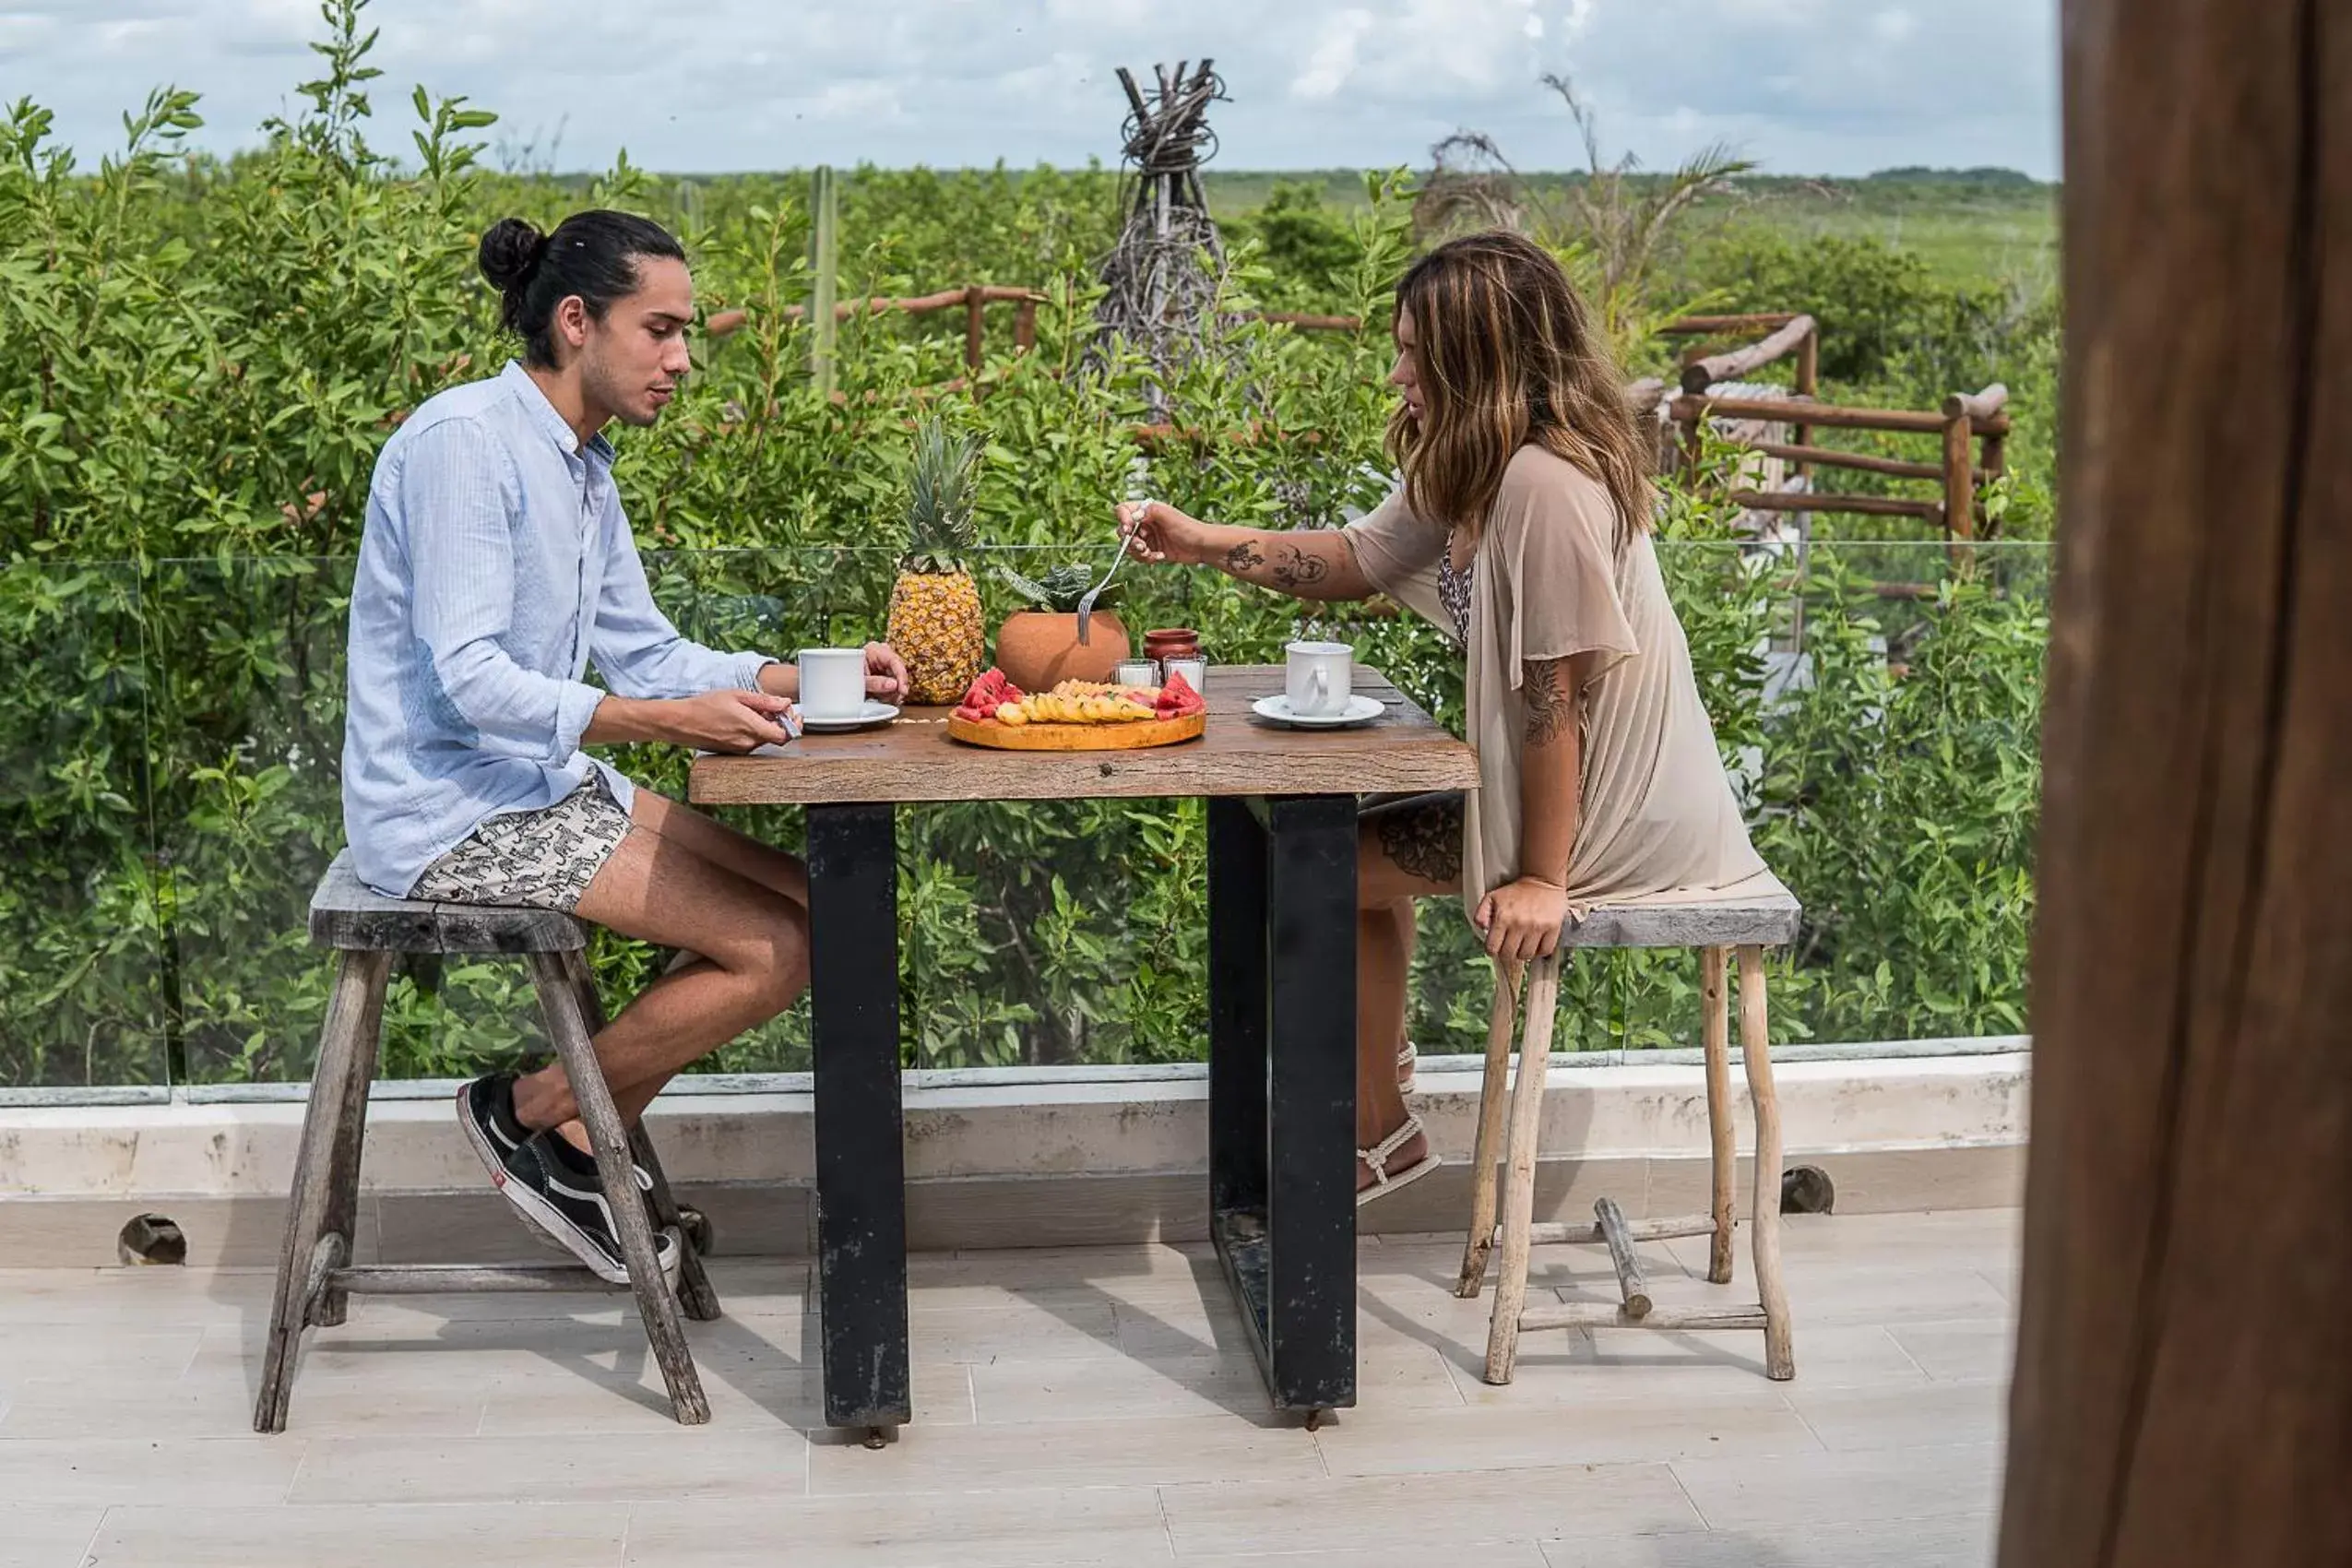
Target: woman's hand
x=1521, y=920
x=886, y=678
x=1157, y=532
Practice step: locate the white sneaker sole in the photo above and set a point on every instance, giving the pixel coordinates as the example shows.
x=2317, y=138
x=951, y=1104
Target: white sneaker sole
x=488, y=1153
x=564, y=1234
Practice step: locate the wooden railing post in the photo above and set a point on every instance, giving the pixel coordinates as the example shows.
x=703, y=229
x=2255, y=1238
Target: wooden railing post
x=1959, y=486
x=975, y=325
x=824, y=211
x=1025, y=324
x=1808, y=387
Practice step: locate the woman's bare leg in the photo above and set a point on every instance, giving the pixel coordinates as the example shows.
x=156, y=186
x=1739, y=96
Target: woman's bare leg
x=751, y=944
x=1406, y=851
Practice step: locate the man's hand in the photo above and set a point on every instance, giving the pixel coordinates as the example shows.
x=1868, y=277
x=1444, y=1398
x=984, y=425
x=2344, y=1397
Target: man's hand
x=886, y=679
x=1521, y=920
x=727, y=721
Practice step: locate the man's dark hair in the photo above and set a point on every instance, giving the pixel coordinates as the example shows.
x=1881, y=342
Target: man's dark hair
x=592, y=254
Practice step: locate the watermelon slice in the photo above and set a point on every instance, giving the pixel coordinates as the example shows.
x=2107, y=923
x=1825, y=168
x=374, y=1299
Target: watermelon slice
x=988, y=692
x=1178, y=700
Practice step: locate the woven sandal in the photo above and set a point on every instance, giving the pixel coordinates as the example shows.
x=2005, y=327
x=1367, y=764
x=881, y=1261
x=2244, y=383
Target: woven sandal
x=1408, y=1068
x=1383, y=1181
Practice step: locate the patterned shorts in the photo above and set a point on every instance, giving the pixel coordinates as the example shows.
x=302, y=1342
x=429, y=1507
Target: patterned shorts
x=544, y=858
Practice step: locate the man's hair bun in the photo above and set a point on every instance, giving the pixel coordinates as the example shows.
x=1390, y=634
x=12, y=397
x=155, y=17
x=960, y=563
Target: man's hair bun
x=510, y=252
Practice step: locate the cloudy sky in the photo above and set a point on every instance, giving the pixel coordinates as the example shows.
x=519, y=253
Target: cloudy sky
x=1838, y=87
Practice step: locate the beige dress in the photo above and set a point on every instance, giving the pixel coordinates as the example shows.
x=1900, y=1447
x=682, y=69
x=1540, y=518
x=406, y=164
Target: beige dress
x=1658, y=822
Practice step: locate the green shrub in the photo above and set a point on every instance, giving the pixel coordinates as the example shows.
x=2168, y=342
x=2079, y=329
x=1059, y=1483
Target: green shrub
x=200, y=359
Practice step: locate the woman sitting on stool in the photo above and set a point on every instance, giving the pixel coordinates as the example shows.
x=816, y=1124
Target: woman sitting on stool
x=1522, y=529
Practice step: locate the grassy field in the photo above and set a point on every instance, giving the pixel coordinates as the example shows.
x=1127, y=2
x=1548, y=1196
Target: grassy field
x=1964, y=227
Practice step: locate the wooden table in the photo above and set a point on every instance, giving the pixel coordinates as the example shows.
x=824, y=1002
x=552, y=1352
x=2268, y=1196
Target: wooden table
x=1282, y=958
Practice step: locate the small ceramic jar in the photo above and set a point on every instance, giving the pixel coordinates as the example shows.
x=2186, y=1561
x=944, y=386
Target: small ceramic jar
x=1172, y=642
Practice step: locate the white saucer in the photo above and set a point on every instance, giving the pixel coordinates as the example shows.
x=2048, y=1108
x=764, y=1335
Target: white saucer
x=874, y=713
x=1361, y=709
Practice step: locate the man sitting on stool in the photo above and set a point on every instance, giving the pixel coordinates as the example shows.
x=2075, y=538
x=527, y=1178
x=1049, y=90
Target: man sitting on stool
x=495, y=566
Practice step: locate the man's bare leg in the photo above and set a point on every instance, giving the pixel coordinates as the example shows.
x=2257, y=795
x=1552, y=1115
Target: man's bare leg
x=751, y=963
x=775, y=869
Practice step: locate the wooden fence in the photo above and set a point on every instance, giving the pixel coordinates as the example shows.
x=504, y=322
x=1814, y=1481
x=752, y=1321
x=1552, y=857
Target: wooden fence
x=1967, y=420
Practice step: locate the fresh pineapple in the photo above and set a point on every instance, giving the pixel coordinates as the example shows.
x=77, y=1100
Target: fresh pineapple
x=934, y=606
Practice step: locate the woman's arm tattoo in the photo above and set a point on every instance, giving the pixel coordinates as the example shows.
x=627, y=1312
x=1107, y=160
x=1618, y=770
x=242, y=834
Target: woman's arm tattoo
x=1551, y=702
x=1243, y=556
x=1300, y=569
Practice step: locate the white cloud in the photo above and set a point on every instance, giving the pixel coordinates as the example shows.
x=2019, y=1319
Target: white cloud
x=1806, y=85
x=1333, y=60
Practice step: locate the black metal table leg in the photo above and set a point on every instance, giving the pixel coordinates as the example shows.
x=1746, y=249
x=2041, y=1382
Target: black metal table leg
x=860, y=1157
x=1282, y=1085
x=1236, y=1018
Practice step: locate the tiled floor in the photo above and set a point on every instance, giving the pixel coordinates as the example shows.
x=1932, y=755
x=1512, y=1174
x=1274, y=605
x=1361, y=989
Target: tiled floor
x=1072, y=1407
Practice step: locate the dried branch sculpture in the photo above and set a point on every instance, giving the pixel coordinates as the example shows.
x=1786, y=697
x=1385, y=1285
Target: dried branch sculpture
x=1161, y=279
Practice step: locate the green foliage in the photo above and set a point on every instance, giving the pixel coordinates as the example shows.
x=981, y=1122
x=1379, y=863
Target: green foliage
x=939, y=497
x=199, y=362
x=1305, y=242
x=1059, y=589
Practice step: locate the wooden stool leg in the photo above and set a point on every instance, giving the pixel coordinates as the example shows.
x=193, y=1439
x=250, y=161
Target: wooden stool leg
x=695, y=1292
x=1721, y=1135
x=357, y=1003
x=1494, y=1092
x=1755, y=1049
x=559, y=1003
x=343, y=1172
x=1519, y=1181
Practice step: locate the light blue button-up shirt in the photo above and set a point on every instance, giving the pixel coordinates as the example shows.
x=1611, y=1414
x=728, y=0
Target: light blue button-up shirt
x=495, y=566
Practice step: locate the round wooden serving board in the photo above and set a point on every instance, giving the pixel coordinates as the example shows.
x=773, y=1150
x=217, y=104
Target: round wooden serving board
x=1077, y=737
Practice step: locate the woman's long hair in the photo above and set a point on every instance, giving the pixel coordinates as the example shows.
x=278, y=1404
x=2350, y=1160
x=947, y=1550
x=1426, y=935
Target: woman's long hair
x=1506, y=353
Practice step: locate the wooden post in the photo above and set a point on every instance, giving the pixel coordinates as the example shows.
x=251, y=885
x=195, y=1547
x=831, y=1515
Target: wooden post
x=1755, y=1052
x=824, y=214
x=2183, y=1375
x=1519, y=1181
x=1025, y=324
x=333, y=1308
x=1959, y=480
x=559, y=1006
x=1722, y=1138
x=694, y=1293
x=1633, y=1288
x=975, y=326
x=1493, y=1097
x=357, y=1003
x=1808, y=386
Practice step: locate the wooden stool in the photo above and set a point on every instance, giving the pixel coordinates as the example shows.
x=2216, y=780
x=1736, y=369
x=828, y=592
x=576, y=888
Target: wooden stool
x=316, y=1275
x=1749, y=925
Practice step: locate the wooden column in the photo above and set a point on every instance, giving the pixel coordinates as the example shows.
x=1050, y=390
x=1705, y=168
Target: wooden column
x=975, y=326
x=2184, y=1368
x=1808, y=387
x=1959, y=482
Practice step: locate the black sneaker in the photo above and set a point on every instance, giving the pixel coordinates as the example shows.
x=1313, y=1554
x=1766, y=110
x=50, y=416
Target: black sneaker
x=570, y=1208
x=486, y=1111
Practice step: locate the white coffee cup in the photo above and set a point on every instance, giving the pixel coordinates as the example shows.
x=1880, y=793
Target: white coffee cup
x=833, y=682
x=1319, y=679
